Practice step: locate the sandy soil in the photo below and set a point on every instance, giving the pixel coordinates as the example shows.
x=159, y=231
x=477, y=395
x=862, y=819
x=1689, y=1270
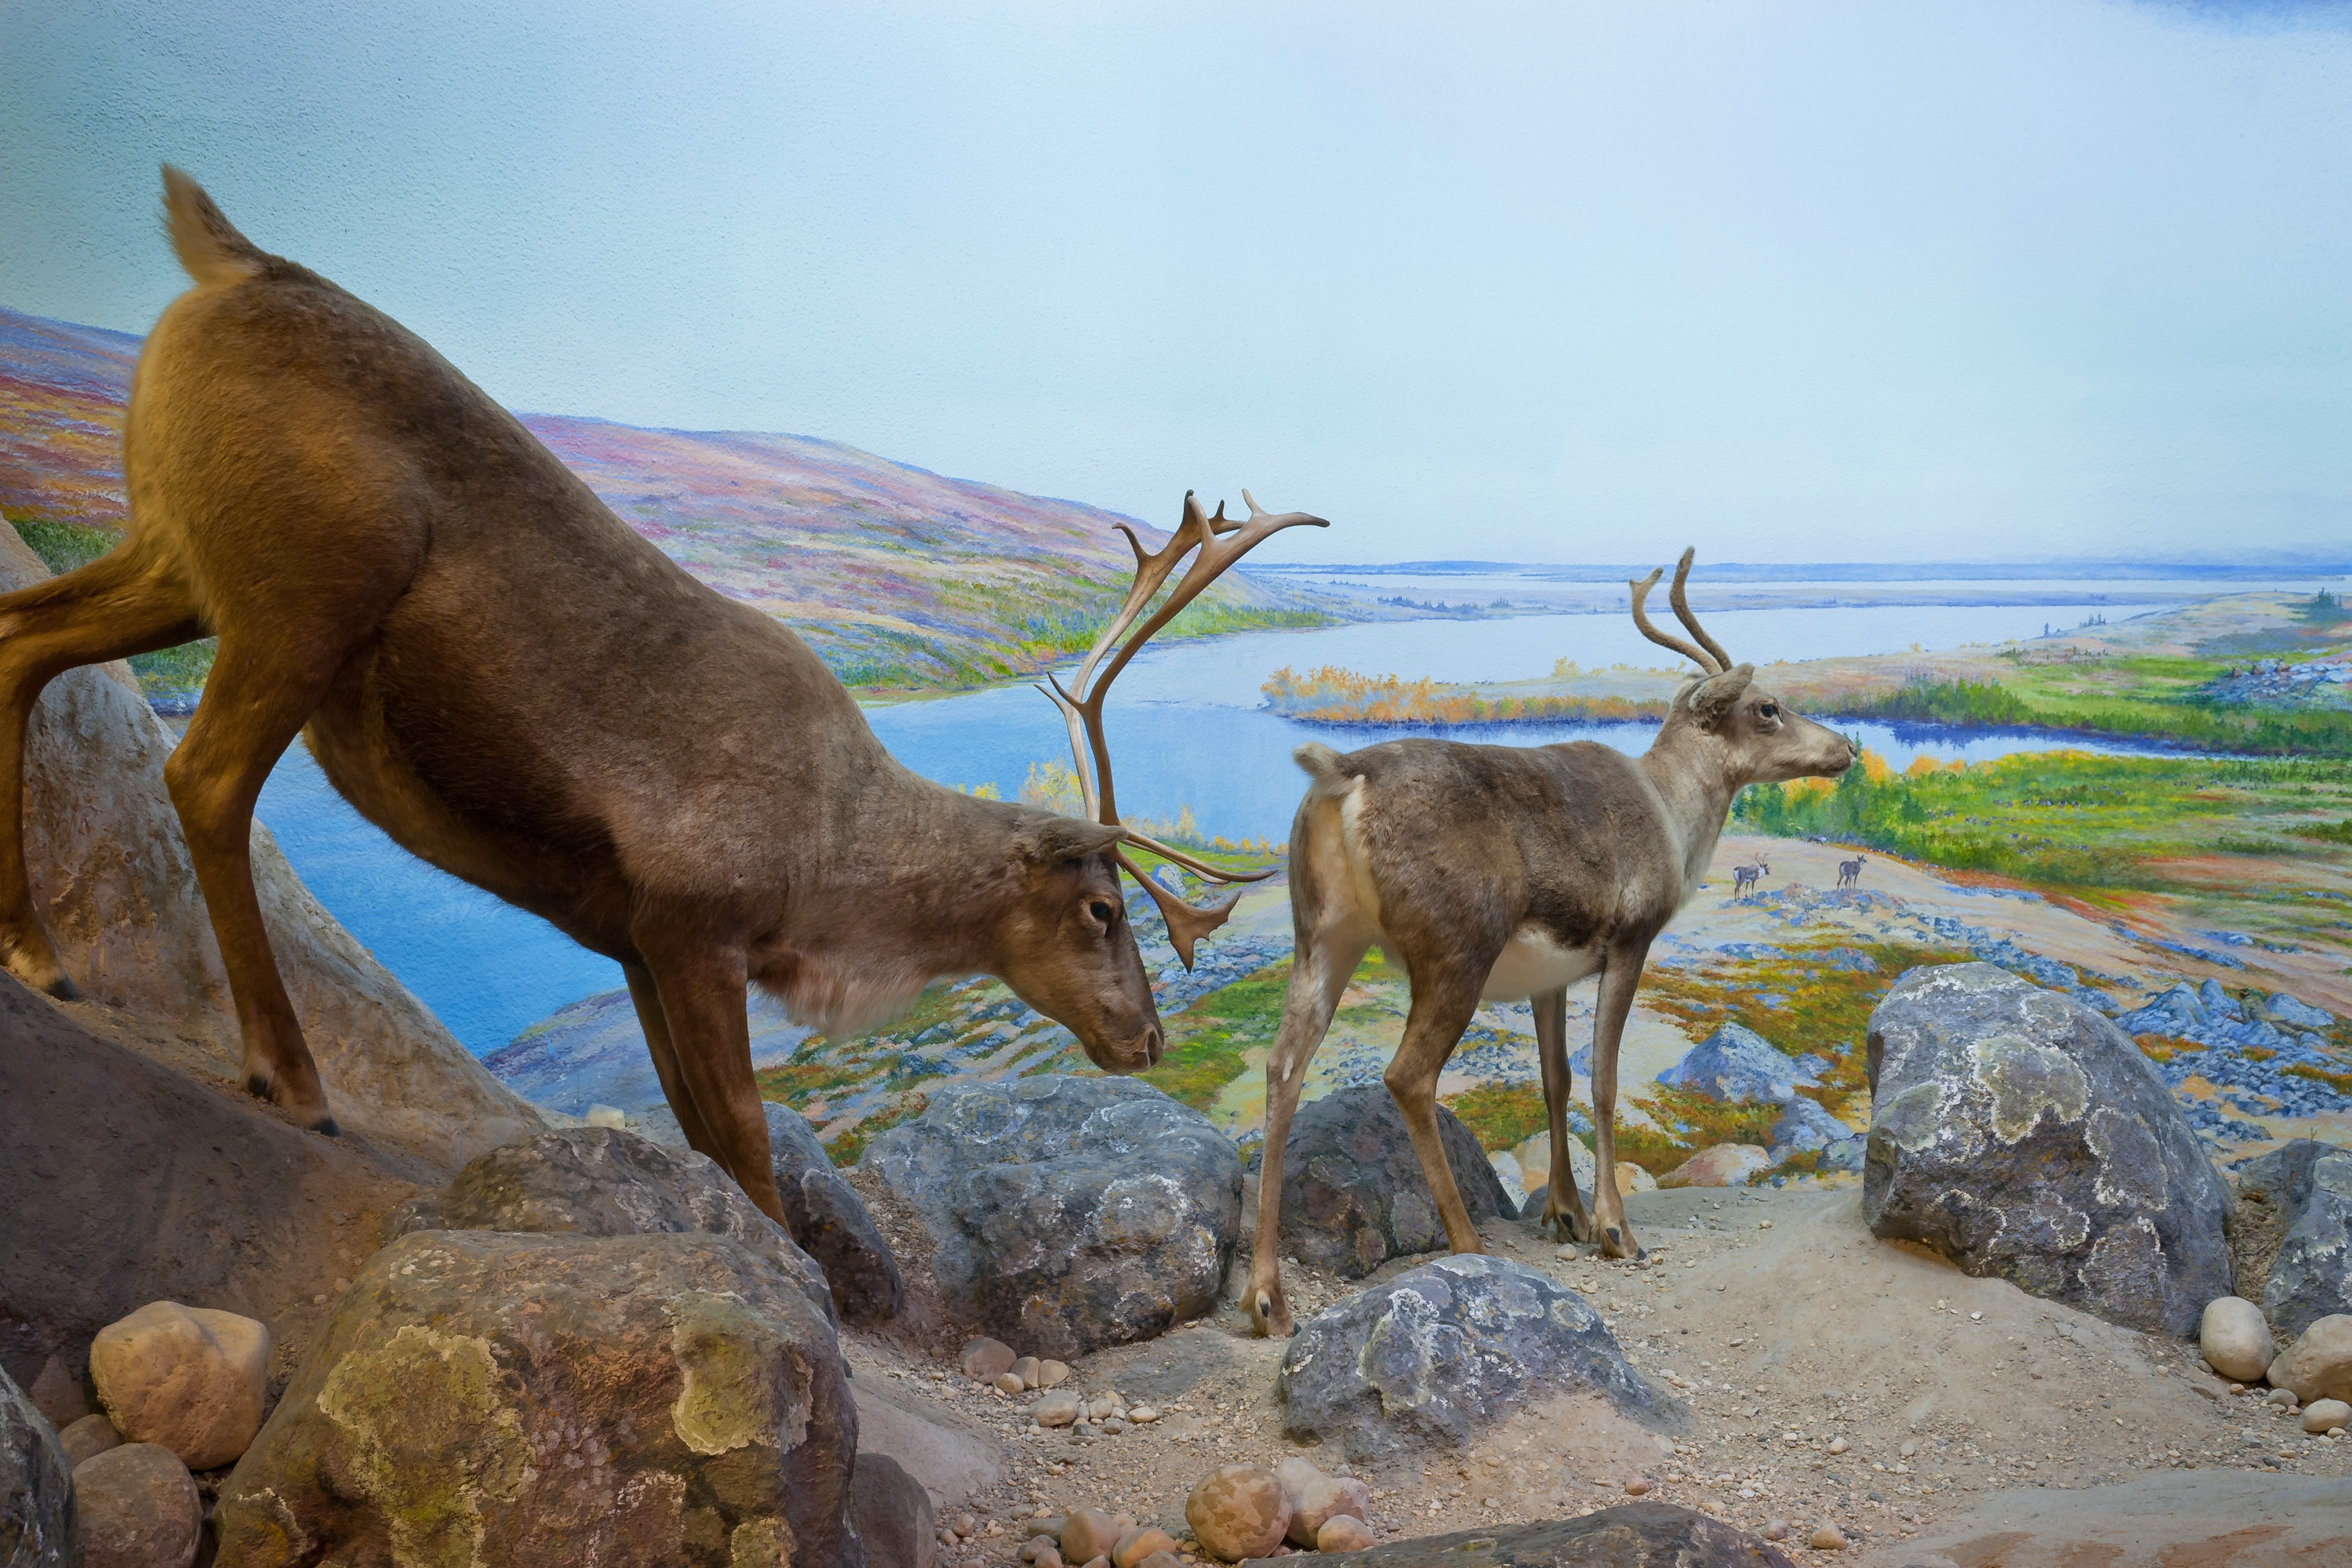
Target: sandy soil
x=1787, y=1331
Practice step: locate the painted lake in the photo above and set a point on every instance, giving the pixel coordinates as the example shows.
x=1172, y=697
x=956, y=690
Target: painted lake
x=1187, y=728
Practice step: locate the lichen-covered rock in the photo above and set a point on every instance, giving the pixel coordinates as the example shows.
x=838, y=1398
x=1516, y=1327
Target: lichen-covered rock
x=194, y=1379
x=139, y=1509
x=37, y=1527
x=536, y=1401
x=1069, y=1214
x=829, y=1220
x=1443, y=1351
x=1738, y=1065
x=595, y=1180
x=2022, y=1135
x=1632, y=1535
x=2292, y=1232
x=1353, y=1195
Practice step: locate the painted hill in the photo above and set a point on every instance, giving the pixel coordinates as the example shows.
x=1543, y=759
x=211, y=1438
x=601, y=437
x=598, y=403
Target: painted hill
x=898, y=577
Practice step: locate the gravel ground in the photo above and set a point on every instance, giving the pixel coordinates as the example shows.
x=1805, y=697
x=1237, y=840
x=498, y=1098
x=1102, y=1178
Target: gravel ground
x=1809, y=1356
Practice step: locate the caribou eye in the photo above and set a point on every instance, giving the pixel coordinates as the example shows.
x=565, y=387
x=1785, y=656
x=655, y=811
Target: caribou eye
x=1101, y=910
x=1771, y=709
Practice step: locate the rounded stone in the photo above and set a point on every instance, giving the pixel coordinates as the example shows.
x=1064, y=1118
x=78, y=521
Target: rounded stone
x=1239, y=1511
x=2326, y=1414
x=1776, y=1530
x=1011, y=1383
x=1058, y=1409
x=1316, y=1496
x=139, y=1509
x=986, y=1358
x=1344, y=1532
x=192, y=1379
x=2235, y=1337
x=1088, y=1533
x=1827, y=1538
x=1052, y=1373
x=1026, y=1369
x=2319, y=1365
x=1721, y=1165
x=90, y=1435
x=1137, y=1545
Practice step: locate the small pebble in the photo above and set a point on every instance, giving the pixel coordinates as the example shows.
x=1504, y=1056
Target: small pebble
x=2280, y=1397
x=1143, y=1416
x=1026, y=1369
x=1828, y=1538
x=1776, y=1530
x=1011, y=1383
x=2327, y=1416
x=1637, y=1487
x=1909, y=1448
x=1839, y=1445
x=1052, y=1375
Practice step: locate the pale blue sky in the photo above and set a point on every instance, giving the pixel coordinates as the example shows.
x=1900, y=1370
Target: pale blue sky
x=1795, y=280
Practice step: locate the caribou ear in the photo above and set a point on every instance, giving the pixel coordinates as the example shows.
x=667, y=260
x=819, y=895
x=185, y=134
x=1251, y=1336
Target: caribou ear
x=1051, y=840
x=1711, y=699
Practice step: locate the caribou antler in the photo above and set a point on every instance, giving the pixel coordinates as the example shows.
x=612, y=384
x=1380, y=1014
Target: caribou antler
x=1221, y=540
x=1683, y=610
x=1715, y=665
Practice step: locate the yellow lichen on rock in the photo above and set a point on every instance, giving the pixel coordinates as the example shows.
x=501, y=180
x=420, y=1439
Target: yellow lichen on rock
x=430, y=1437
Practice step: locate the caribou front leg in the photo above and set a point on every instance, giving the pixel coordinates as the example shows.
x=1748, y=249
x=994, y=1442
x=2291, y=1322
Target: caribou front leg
x=1564, y=1213
x=1621, y=974
x=702, y=988
x=1317, y=980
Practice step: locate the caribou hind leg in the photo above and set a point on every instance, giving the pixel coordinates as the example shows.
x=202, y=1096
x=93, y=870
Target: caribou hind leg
x=1444, y=1001
x=1619, y=977
x=1317, y=980
x=1564, y=1213
x=115, y=606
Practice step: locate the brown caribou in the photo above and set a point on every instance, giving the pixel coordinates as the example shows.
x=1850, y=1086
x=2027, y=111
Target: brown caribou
x=515, y=686
x=1497, y=872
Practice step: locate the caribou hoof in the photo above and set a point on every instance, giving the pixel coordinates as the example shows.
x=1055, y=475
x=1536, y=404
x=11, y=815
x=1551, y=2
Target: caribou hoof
x=1270, y=1314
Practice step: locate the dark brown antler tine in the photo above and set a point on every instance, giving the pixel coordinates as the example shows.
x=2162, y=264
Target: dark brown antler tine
x=1689, y=621
x=1186, y=925
x=1641, y=587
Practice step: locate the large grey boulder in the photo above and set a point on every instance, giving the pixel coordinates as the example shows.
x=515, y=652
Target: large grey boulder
x=1353, y=1195
x=598, y=1181
x=1631, y=1535
x=829, y=1220
x=1068, y=1214
x=2294, y=1234
x=894, y=1514
x=2020, y=1134
x=1443, y=1351
x=37, y=1527
x=1738, y=1066
x=542, y=1401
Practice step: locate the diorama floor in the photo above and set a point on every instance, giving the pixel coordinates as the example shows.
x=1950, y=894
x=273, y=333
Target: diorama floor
x=1825, y=1375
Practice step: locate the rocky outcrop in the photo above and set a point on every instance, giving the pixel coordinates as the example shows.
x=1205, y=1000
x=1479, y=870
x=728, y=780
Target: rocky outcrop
x=1738, y=1066
x=1068, y=1214
x=2251, y=1045
x=2020, y=1134
x=1632, y=1535
x=1806, y=1128
x=1442, y=1351
x=132, y=1181
x=829, y=1220
x=2293, y=1234
x=536, y=1400
x=595, y=1181
x=1353, y=1195
x=112, y=881
x=37, y=1526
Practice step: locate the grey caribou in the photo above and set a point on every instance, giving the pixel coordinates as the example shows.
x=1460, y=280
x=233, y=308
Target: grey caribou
x=516, y=686
x=1497, y=872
